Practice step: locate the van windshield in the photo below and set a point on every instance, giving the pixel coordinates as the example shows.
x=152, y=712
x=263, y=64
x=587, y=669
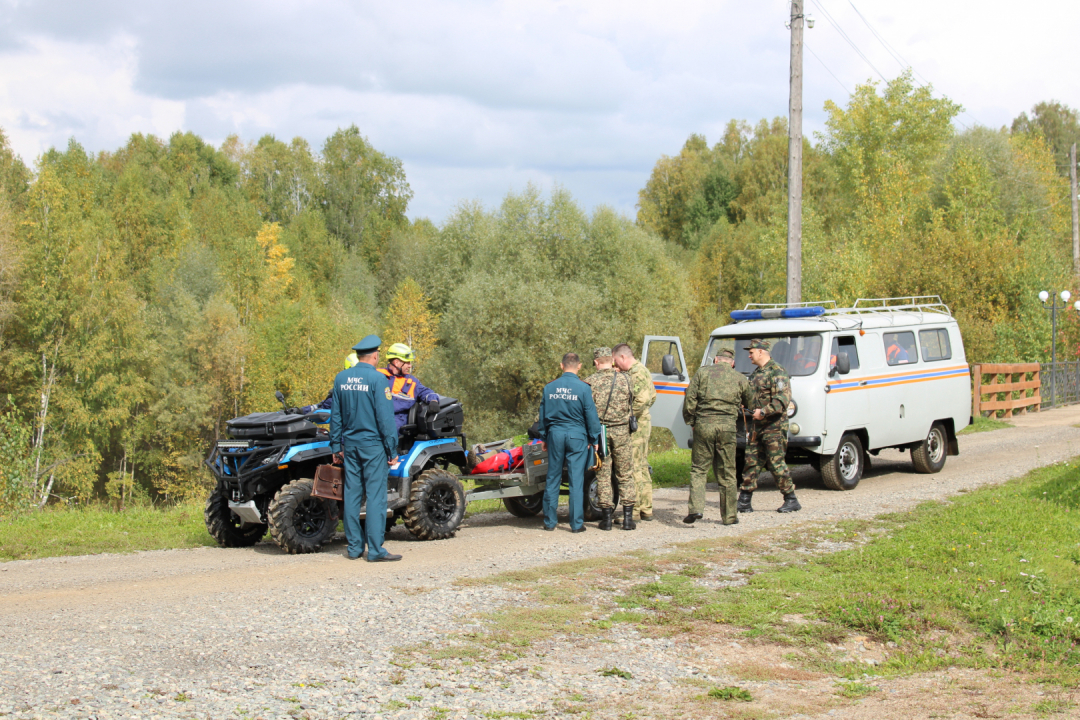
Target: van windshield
x=798, y=354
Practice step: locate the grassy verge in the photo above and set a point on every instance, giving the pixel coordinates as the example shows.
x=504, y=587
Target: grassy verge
x=990, y=579
x=983, y=424
x=83, y=531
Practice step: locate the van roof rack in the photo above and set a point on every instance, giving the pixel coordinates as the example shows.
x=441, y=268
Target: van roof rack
x=908, y=303
x=828, y=304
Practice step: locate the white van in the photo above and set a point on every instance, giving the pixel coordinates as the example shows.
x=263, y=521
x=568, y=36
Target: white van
x=885, y=373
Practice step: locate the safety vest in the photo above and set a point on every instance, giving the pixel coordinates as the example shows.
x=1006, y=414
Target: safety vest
x=402, y=385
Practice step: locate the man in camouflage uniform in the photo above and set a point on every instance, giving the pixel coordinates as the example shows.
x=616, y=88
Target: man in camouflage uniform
x=611, y=395
x=711, y=407
x=766, y=444
x=644, y=395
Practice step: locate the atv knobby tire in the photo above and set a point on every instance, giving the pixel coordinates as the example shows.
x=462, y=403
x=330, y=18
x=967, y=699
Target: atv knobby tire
x=300, y=523
x=525, y=506
x=436, y=505
x=225, y=527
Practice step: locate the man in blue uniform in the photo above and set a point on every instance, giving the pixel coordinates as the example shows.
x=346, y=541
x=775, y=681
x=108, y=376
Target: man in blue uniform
x=571, y=429
x=363, y=436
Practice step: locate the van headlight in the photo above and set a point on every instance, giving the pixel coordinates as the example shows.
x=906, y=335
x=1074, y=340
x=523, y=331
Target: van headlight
x=794, y=429
x=792, y=408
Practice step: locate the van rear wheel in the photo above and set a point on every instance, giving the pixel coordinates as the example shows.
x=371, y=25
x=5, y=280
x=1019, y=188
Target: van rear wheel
x=929, y=455
x=844, y=469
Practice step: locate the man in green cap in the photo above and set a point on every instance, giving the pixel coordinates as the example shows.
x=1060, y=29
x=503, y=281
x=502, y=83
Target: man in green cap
x=611, y=395
x=711, y=407
x=766, y=444
x=363, y=436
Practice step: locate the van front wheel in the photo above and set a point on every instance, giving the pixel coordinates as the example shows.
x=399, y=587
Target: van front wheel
x=929, y=455
x=844, y=469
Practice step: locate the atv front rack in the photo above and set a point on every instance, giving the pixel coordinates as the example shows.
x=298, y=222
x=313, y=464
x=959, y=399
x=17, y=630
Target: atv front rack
x=239, y=460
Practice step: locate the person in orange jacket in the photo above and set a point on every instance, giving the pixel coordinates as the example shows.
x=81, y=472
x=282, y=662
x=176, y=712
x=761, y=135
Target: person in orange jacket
x=405, y=388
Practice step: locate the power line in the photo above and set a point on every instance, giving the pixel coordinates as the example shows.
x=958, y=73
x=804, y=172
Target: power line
x=898, y=57
x=807, y=46
x=848, y=40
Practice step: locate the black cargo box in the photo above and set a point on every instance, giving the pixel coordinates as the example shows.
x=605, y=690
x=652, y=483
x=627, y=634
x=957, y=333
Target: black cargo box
x=270, y=426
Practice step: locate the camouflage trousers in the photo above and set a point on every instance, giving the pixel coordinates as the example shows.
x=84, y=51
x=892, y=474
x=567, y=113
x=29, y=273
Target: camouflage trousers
x=767, y=451
x=713, y=445
x=639, y=441
x=620, y=461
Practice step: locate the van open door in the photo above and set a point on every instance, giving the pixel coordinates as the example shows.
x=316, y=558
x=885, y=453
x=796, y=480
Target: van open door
x=663, y=356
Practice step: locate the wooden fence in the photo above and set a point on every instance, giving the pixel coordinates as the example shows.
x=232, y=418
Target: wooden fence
x=1014, y=387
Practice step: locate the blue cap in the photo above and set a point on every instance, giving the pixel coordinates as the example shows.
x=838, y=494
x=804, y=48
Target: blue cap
x=369, y=344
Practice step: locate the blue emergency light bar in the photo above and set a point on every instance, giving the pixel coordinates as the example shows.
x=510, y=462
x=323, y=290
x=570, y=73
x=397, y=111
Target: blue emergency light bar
x=774, y=313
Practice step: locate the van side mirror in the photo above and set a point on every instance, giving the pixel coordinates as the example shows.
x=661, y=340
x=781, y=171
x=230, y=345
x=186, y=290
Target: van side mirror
x=843, y=364
x=667, y=366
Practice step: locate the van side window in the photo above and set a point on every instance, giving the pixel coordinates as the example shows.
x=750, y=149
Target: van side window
x=900, y=348
x=935, y=344
x=844, y=344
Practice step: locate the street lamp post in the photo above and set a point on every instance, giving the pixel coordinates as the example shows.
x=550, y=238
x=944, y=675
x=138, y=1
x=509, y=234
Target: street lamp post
x=1053, y=307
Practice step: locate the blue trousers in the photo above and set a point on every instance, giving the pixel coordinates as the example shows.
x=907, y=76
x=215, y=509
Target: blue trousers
x=572, y=448
x=365, y=476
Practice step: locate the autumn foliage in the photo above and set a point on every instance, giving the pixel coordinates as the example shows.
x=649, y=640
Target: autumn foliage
x=148, y=295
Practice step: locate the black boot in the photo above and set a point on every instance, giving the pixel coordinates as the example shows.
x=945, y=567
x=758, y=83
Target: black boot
x=605, y=521
x=745, y=496
x=691, y=518
x=791, y=504
x=628, y=518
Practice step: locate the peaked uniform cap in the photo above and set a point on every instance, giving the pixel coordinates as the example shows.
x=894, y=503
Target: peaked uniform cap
x=759, y=344
x=601, y=352
x=726, y=352
x=369, y=344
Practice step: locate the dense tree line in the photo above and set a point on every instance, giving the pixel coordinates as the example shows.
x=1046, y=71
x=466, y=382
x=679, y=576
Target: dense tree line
x=149, y=294
x=897, y=202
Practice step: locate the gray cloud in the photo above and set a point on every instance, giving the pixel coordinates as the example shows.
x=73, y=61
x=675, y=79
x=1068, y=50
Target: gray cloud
x=480, y=97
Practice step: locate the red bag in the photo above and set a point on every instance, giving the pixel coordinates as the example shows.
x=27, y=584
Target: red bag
x=501, y=461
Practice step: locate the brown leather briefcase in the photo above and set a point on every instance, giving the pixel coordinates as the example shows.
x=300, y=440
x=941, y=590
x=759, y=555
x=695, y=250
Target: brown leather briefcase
x=329, y=482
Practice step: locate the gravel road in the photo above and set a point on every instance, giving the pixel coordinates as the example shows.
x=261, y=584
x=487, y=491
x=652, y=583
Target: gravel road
x=249, y=633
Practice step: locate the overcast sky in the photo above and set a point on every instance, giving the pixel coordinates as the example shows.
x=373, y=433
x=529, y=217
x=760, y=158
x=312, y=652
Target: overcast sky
x=480, y=98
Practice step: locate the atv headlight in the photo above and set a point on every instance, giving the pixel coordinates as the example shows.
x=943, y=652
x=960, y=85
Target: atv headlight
x=792, y=408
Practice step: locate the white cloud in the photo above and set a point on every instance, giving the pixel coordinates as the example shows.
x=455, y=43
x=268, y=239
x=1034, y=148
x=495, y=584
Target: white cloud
x=479, y=98
x=52, y=91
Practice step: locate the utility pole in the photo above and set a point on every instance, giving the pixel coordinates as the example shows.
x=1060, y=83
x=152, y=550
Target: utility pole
x=1076, y=228
x=794, y=234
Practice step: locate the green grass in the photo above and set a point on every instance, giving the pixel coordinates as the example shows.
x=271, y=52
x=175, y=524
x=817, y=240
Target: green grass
x=989, y=579
x=983, y=424
x=671, y=468
x=1055, y=706
x=81, y=531
x=855, y=689
x=730, y=693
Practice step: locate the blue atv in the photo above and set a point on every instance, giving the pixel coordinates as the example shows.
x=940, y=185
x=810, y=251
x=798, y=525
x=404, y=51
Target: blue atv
x=265, y=474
